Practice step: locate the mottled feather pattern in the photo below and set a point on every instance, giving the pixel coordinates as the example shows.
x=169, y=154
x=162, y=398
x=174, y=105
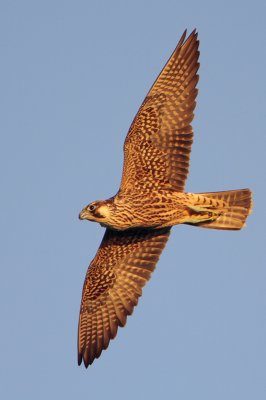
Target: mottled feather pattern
x=151, y=199
x=114, y=281
x=157, y=147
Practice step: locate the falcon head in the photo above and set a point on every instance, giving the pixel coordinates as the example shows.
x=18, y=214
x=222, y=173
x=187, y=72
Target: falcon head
x=98, y=211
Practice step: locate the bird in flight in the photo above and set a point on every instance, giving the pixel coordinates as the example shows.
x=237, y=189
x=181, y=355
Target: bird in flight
x=151, y=199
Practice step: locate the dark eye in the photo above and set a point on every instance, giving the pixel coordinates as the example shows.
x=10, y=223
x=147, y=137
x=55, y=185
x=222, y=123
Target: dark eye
x=91, y=207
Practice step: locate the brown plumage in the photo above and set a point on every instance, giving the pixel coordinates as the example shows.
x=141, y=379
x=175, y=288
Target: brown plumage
x=114, y=281
x=151, y=199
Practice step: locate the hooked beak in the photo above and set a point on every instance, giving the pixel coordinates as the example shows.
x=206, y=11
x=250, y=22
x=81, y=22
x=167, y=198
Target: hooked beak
x=83, y=214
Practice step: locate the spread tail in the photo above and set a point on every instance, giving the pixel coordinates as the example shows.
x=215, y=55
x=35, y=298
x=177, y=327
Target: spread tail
x=227, y=210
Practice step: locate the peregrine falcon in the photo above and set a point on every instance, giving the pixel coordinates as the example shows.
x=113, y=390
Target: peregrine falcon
x=150, y=200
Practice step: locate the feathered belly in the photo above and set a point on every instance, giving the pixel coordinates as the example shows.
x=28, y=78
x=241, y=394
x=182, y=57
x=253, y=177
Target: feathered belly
x=153, y=212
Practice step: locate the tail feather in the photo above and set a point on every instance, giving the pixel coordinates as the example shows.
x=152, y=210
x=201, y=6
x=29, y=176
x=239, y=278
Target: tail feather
x=232, y=207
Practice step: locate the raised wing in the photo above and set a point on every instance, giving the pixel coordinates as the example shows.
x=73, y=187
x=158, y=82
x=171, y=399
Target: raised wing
x=113, y=284
x=157, y=147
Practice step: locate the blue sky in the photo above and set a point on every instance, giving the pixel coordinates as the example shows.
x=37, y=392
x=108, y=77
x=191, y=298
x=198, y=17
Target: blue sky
x=73, y=74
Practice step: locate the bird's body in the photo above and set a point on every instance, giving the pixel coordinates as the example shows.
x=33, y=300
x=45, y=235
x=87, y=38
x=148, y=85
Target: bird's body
x=151, y=200
x=141, y=210
x=160, y=209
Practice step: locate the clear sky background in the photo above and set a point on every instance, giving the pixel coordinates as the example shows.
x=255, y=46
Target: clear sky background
x=73, y=74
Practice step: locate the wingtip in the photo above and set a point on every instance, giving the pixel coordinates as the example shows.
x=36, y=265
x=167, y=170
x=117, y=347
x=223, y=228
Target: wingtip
x=194, y=33
x=86, y=361
x=79, y=359
x=184, y=38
